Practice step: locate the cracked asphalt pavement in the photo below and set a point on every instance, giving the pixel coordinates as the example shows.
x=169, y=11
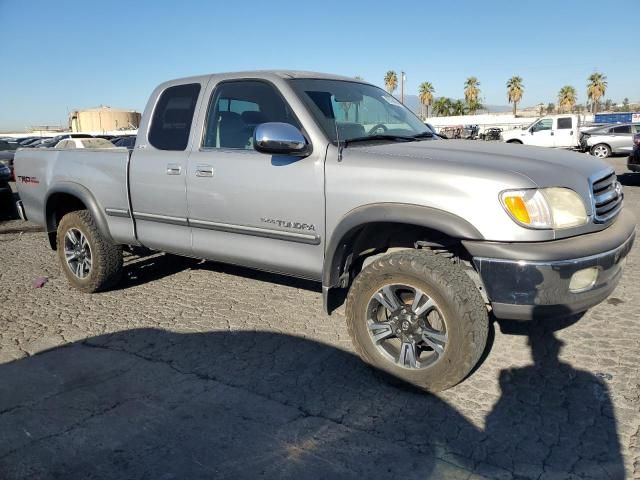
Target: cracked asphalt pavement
x=195, y=369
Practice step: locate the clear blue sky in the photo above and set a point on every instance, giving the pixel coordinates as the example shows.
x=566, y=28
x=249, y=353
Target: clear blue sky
x=64, y=55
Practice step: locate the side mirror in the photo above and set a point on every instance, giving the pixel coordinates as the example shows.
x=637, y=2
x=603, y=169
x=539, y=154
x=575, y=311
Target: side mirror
x=280, y=139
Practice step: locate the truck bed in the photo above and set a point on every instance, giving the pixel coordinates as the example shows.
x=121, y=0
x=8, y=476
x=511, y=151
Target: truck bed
x=102, y=173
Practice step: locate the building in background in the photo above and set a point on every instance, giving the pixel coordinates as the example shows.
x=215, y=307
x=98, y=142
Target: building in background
x=103, y=119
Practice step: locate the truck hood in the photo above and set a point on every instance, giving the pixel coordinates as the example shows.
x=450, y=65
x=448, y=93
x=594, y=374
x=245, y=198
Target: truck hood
x=544, y=167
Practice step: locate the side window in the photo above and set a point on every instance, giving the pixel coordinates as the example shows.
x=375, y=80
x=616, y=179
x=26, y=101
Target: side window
x=621, y=130
x=172, y=117
x=636, y=128
x=544, y=124
x=237, y=108
x=564, y=123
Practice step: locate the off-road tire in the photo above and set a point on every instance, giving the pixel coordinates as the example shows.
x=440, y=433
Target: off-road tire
x=106, y=269
x=455, y=293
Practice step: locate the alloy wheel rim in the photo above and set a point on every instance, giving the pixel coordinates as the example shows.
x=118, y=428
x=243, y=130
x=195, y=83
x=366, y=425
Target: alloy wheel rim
x=407, y=326
x=600, y=152
x=77, y=253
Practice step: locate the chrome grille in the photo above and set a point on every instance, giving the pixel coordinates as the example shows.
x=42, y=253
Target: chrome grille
x=607, y=197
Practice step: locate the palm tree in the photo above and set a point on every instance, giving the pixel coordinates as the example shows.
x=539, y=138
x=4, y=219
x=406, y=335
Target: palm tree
x=550, y=108
x=391, y=81
x=596, y=88
x=567, y=98
x=459, y=107
x=515, y=89
x=471, y=93
x=442, y=107
x=625, y=104
x=425, y=94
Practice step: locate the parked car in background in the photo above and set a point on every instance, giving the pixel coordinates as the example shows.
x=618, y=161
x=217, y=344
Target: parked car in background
x=6, y=195
x=559, y=131
x=72, y=143
x=53, y=141
x=603, y=141
x=491, y=134
x=7, y=152
x=26, y=140
x=633, y=162
x=128, y=141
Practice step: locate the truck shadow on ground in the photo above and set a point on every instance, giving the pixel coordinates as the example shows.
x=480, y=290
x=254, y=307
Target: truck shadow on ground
x=153, y=404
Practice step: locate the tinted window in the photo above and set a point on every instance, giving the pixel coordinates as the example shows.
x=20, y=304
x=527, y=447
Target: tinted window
x=564, y=123
x=621, y=129
x=236, y=108
x=544, y=124
x=172, y=118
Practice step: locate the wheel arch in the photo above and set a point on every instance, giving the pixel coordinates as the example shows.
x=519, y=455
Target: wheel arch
x=66, y=197
x=414, y=222
x=515, y=140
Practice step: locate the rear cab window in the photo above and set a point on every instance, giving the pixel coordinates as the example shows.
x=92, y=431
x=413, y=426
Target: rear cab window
x=173, y=117
x=564, y=123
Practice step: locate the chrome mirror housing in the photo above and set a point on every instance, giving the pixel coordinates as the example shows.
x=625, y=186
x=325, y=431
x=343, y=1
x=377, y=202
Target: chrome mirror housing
x=278, y=138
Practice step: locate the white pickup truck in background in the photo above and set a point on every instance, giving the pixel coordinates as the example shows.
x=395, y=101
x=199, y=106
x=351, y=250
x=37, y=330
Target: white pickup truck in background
x=559, y=131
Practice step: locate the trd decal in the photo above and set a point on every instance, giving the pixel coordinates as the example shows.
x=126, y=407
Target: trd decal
x=31, y=180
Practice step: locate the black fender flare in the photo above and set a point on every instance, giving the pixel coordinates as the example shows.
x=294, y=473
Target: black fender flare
x=433, y=218
x=85, y=196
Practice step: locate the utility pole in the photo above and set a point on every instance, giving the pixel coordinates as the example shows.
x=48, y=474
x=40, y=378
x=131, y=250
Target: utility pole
x=403, y=77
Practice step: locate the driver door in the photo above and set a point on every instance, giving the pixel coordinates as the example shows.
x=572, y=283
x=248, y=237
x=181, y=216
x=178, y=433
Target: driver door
x=249, y=208
x=541, y=133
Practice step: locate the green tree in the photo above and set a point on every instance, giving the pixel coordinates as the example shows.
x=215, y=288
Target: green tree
x=566, y=98
x=551, y=108
x=596, y=88
x=471, y=94
x=425, y=94
x=442, y=107
x=625, y=104
x=390, y=81
x=515, y=90
x=458, y=108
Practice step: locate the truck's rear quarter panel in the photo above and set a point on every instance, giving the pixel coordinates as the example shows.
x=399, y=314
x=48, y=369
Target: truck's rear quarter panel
x=41, y=173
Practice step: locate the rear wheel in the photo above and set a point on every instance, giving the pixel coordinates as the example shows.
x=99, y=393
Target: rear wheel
x=602, y=150
x=418, y=317
x=89, y=261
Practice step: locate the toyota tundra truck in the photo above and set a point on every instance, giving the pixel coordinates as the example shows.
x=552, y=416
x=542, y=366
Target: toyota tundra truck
x=332, y=179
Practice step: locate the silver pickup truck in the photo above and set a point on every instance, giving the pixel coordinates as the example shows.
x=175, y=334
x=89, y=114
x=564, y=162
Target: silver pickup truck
x=332, y=179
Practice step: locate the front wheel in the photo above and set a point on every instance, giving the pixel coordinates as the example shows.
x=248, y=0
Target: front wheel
x=90, y=262
x=418, y=317
x=601, y=150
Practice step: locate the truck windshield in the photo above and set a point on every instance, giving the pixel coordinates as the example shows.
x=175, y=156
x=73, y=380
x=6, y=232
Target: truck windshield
x=351, y=110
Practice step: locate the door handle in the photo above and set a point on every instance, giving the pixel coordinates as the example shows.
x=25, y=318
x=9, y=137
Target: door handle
x=552, y=134
x=174, y=169
x=204, y=171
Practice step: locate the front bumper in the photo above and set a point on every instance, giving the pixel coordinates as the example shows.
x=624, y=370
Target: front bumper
x=526, y=281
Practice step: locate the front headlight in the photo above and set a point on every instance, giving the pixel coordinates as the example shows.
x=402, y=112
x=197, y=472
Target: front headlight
x=545, y=208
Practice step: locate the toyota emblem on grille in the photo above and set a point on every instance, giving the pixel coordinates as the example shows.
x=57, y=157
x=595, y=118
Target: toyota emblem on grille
x=618, y=188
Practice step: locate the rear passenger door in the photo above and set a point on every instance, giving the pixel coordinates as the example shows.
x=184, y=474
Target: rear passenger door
x=622, y=139
x=158, y=168
x=565, y=135
x=246, y=207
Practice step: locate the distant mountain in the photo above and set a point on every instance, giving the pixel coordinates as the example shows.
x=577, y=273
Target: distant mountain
x=413, y=103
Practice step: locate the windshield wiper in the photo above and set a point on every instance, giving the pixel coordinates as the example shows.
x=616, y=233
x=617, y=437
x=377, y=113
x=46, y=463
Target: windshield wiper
x=423, y=135
x=393, y=138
